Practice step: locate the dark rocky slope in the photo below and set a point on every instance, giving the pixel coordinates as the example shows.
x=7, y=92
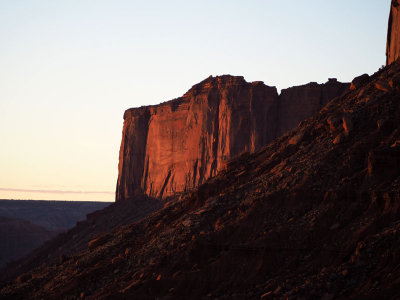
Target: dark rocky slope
x=314, y=215
x=177, y=145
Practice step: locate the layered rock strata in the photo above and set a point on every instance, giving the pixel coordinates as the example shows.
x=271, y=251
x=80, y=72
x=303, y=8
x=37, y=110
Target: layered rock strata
x=177, y=145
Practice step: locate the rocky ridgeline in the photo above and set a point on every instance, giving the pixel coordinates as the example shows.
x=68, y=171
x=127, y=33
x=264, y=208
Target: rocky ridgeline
x=177, y=145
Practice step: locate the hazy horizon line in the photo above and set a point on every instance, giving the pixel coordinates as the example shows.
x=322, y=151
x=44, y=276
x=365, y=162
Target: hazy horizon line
x=54, y=191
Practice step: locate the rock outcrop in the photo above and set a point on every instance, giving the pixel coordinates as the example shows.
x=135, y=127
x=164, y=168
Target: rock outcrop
x=393, y=36
x=177, y=145
x=301, y=102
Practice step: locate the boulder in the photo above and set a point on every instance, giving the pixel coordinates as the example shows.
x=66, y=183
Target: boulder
x=359, y=81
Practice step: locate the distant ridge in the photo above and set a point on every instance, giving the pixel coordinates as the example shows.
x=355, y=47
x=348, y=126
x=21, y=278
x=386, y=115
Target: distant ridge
x=52, y=215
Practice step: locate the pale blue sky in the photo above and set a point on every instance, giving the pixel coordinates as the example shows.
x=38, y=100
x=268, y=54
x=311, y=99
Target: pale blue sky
x=69, y=69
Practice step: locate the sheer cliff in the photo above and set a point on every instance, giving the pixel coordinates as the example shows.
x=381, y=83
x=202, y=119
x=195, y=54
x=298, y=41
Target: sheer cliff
x=393, y=36
x=177, y=145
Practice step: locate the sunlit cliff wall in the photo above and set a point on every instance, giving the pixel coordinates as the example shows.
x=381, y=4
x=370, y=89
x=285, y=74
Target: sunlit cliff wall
x=393, y=36
x=177, y=145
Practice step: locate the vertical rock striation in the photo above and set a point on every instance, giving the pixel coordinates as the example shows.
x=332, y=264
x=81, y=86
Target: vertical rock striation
x=393, y=36
x=177, y=145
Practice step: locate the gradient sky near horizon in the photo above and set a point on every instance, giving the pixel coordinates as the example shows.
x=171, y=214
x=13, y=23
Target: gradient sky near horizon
x=69, y=69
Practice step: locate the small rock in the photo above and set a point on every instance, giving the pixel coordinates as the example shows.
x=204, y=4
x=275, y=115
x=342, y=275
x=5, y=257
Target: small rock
x=98, y=241
x=187, y=223
x=383, y=86
x=116, y=260
x=201, y=211
x=296, y=139
x=24, y=278
x=277, y=290
x=380, y=123
x=347, y=123
x=266, y=295
x=395, y=144
x=333, y=122
x=338, y=139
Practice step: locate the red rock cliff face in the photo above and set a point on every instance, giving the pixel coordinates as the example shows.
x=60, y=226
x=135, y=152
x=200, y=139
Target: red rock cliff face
x=393, y=37
x=177, y=145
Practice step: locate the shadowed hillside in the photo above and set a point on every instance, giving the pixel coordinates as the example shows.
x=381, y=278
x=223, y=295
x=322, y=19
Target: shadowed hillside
x=76, y=238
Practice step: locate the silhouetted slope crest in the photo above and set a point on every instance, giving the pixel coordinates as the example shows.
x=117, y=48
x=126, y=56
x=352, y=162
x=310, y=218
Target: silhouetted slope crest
x=312, y=215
